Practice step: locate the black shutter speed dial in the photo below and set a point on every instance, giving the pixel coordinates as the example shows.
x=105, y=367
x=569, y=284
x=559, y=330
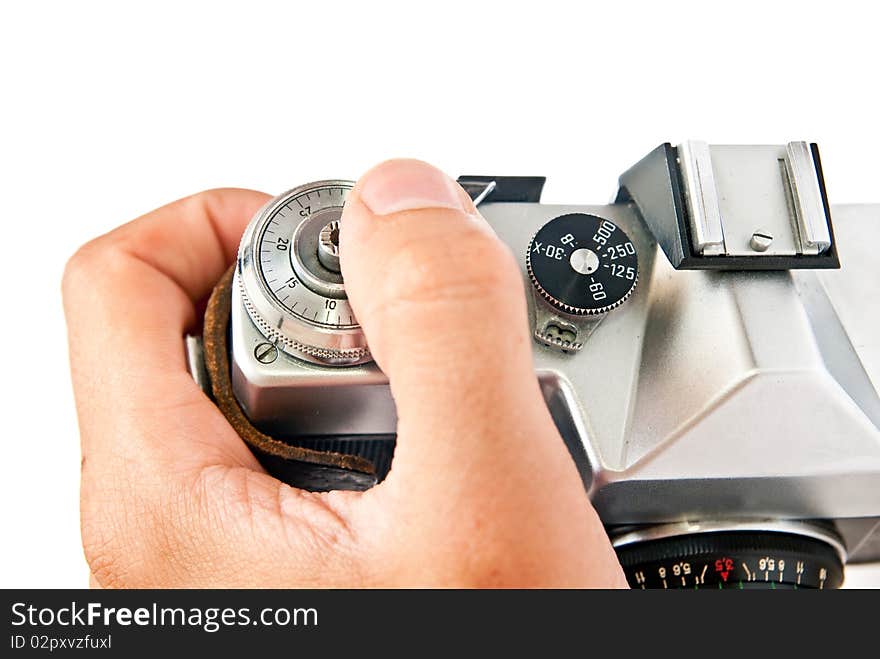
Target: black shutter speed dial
x=582, y=264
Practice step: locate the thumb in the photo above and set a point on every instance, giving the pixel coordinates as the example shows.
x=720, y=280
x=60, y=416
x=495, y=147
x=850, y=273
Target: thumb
x=482, y=489
x=442, y=304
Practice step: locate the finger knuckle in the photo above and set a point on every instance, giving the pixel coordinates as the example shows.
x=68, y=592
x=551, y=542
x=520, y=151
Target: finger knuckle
x=98, y=261
x=211, y=201
x=79, y=265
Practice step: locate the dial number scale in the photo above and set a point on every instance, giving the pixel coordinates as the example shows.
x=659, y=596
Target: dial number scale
x=583, y=264
x=290, y=279
x=733, y=560
x=285, y=281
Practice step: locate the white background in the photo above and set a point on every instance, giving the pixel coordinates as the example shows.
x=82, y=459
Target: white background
x=108, y=111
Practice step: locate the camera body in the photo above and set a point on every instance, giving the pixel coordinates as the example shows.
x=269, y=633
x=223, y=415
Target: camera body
x=726, y=389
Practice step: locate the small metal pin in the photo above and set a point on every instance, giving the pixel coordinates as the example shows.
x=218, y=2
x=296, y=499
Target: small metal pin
x=266, y=353
x=485, y=192
x=761, y=240
x=478, y=190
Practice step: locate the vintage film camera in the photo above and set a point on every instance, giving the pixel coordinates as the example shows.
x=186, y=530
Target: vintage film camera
x=707, y=345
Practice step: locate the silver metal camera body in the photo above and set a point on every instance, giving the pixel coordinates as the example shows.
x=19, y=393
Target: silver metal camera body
x=734, y=386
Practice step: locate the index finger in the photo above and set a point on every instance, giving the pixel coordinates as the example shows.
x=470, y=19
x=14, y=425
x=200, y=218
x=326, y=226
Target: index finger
x=129, y=297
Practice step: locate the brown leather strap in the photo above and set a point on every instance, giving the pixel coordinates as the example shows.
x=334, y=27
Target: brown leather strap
x=306, y=468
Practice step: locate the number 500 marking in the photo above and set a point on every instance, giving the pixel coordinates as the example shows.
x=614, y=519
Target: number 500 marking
x=603, y=233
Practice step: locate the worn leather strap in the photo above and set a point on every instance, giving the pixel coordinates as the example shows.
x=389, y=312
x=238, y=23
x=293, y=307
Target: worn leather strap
x=306, y=468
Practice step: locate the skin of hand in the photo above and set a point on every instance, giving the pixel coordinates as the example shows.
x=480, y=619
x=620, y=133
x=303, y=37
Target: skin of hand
x=482, y=491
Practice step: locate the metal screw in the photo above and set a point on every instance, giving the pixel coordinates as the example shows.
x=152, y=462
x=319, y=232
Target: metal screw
x=761, y=240
x=266, y=353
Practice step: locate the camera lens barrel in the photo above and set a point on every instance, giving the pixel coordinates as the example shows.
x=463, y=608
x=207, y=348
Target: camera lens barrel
x=783, y=555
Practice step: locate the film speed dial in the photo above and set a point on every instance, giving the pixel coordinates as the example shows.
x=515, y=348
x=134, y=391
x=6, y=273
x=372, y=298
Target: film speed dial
x=290, y=279
x=582, y=264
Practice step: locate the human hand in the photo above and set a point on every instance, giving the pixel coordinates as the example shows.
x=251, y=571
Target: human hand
x=482, y=491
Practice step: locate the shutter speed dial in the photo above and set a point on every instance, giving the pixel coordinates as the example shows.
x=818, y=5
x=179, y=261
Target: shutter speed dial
x=582, y=264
